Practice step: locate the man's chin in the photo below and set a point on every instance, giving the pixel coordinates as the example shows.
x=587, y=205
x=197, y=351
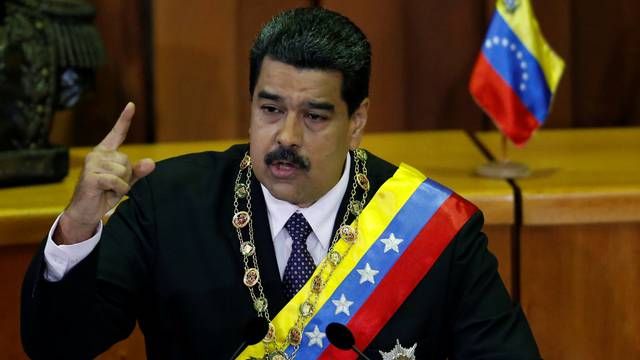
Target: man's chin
x=285, y=192
x=288, y=192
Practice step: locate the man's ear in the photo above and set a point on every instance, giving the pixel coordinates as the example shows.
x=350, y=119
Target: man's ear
x=357, y=123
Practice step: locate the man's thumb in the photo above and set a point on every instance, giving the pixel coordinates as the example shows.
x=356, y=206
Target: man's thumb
x=141, y=169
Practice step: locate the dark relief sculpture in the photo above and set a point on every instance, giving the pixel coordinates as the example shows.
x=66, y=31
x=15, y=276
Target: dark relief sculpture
x=49, y=50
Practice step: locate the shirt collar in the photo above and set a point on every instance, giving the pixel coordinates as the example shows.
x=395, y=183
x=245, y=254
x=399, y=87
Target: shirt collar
x=321, y=215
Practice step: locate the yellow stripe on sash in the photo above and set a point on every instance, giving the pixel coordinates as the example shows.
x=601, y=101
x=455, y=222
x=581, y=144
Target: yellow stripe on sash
x=375, y=217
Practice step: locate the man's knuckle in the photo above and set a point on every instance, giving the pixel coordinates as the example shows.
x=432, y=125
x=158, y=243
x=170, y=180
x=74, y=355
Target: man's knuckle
x=122, y=173
x=122, y=158
x=90, y=157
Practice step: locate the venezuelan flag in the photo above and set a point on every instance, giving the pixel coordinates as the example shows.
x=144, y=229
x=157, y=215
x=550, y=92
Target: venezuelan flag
x=516, y=73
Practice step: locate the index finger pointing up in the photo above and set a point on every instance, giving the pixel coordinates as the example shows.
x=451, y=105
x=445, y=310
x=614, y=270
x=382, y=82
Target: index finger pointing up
x=118, y=133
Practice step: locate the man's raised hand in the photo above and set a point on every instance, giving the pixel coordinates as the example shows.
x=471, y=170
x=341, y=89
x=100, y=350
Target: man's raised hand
x=106, y=177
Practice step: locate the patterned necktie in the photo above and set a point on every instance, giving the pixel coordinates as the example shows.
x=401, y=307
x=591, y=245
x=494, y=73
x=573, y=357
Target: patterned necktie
x=300, y=265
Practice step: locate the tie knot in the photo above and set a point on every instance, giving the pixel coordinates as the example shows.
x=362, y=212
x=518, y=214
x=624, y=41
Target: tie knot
x=298, y=228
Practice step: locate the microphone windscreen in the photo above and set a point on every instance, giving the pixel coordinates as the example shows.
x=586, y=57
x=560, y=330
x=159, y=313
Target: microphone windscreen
x=255, y=330
x=340, y=336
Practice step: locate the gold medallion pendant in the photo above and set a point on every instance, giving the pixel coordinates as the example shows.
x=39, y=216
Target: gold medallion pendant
x=361, y=154
x=355, y=208
x=277, y=355
x=246, y=161
x=240, y=219
x=241, y=191
x=363, y=181
x=271, y=334
x=348, y=233
x=334, y=258
x=294, y=337
x=251, y=277
x=260, y=304
x=307, y=309
x=317, y=284
x=247, y=248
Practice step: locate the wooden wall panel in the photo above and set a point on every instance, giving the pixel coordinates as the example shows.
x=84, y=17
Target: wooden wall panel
x=442, y=42
x=195, y=69
x=580, y=290
x=606, y=59
x=382, y=23
x=201, y=66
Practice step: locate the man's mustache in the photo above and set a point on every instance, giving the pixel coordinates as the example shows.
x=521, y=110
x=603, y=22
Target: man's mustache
x=286, y=153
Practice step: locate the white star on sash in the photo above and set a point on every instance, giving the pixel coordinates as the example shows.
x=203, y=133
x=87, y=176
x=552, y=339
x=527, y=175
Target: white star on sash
x=342, y=305
x=315, y=337
x=391, y=243
x=367, y=274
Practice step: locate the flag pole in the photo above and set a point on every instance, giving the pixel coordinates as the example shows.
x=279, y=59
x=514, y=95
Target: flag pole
x=502, y=167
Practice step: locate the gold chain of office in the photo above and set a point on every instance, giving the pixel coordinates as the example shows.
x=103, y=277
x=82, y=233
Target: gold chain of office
x=251, y=278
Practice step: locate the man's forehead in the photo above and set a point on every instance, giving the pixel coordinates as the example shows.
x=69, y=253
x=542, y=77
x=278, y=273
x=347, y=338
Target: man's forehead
x=275, y=71
x=281, y=81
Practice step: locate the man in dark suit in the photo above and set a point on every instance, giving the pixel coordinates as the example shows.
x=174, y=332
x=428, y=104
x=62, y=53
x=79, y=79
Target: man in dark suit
x=206, y=242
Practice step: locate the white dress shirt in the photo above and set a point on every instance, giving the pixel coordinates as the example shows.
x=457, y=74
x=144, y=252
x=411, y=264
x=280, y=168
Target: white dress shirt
x=321, y=215
x=60, y=259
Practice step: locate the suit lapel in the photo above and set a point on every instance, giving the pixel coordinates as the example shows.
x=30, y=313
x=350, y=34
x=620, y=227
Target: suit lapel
x=263, y=238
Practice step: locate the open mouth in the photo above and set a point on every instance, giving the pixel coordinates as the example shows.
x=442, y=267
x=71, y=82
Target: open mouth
x=284, y=163
x=283, y=169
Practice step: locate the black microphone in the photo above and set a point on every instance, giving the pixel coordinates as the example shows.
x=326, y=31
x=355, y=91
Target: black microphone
x=255, y=330
x=341, y=337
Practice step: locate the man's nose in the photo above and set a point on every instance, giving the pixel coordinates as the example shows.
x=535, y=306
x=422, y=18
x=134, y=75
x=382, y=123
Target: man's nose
x=291, y=132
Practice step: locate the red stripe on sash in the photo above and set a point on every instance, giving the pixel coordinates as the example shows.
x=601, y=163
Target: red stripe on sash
x=405, y=275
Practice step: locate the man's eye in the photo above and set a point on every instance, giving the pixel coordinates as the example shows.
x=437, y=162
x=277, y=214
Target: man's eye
x=316, y=117
x=270, y=109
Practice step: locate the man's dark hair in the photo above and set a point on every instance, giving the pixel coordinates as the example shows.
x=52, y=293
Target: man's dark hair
x=316, y=38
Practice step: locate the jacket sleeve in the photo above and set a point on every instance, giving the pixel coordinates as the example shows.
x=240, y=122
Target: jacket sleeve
x=486, y=323
x=96, y=304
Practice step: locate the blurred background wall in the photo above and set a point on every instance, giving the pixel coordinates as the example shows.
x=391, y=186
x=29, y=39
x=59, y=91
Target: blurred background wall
x=185, y=64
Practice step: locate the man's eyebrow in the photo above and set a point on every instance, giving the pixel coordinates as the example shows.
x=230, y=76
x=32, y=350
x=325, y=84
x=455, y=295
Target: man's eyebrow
x=269, y=96
x=321, y=105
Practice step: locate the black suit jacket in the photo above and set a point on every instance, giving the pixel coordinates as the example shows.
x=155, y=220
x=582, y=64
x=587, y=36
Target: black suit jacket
x=169, y=258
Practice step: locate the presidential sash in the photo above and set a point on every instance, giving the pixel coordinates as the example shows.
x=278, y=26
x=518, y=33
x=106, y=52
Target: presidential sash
x=401, y=233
